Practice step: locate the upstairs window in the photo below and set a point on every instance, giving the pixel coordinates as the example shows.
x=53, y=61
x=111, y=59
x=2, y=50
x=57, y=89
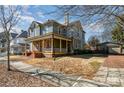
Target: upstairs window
x=31, y=33
x=78, y=34
x=59, y=30
x=47, y=29
x=63, y=31
x=37, y=31
x=3, y=45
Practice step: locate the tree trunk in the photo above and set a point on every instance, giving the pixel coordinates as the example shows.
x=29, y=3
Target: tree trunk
x=8, y=54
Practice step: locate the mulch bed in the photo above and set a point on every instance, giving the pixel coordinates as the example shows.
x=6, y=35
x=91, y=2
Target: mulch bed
x=18, y=79
x=67, y=65
x=114, y=61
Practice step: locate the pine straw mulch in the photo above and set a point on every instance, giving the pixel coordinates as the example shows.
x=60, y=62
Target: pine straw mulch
x=18, y=79
x=68, y=65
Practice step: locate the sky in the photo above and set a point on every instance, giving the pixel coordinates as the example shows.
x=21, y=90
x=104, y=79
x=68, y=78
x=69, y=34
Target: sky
x=36, y=13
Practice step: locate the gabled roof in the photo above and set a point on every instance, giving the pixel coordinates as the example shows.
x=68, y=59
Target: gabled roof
x=74, y=23
x=37, y=22
x=13, y=35
x=53, y=21
x=105, y=43
x=23, y=34
x=33, y=23
x=19, y=45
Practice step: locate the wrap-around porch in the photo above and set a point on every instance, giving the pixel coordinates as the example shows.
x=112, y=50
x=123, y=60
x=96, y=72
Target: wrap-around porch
x=50, y=47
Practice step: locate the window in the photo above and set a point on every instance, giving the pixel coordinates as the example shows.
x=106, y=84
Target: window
x=63, y=44
x=44, y=31
x=63, y=31
x=3, y=45
x=37, y=31
x=77, y=34
x=31, y=33
x=59, y=30
x=41, y=31
x=47, y=29
x=47, y=43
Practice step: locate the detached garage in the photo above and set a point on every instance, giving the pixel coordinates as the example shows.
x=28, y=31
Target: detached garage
x=110, y=48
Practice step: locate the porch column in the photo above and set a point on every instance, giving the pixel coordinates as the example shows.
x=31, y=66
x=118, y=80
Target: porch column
x=32, y=46
x=52, y=45
x=33, y=54
x=39, y=47
x=42, y=45
x=60, y=45
x=25, y=50
x=66, y=46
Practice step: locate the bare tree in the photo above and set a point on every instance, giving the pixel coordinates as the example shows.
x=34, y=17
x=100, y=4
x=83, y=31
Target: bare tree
x=93, y=41
x=88, y=13
x=9, y=17
x=96, y=14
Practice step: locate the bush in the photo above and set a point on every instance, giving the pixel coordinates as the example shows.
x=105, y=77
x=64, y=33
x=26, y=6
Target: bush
x=77, y=51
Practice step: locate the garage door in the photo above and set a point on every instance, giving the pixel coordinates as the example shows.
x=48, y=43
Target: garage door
x=114, y=50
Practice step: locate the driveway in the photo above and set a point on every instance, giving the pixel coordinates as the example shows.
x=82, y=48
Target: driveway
x=114, y=61
x=112, y=71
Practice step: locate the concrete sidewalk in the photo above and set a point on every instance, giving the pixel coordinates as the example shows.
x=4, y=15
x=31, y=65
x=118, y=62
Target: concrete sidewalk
x=55, y=78
x=2, y=60
x=112, y=71
x=111, y=76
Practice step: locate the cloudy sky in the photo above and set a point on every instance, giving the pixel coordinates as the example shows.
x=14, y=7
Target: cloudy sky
x=36, y=13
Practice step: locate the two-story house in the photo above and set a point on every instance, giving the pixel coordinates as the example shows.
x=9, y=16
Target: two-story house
x=3, y=42
x=51, y=38
x=18, y=45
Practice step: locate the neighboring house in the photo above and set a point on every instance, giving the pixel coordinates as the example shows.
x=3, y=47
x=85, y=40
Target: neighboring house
x=3, y=42
x=17, y=43
x=51, y=38
x=110, y=48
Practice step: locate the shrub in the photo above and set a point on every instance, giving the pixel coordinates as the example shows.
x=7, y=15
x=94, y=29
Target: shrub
x=77, y=51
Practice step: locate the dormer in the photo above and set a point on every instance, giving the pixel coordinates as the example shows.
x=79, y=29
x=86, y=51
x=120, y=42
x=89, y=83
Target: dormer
x=35, y=29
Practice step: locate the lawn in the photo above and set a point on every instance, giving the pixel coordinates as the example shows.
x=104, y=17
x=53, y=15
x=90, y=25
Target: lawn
x=19, y=79
x=74, y=65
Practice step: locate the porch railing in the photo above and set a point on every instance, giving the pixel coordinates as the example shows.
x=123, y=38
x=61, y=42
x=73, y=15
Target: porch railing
x=58, y=50
x=46, y=49
x=55, y=50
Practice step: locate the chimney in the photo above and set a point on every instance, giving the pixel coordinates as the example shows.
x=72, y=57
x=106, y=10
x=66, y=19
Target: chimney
x=66, y=18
